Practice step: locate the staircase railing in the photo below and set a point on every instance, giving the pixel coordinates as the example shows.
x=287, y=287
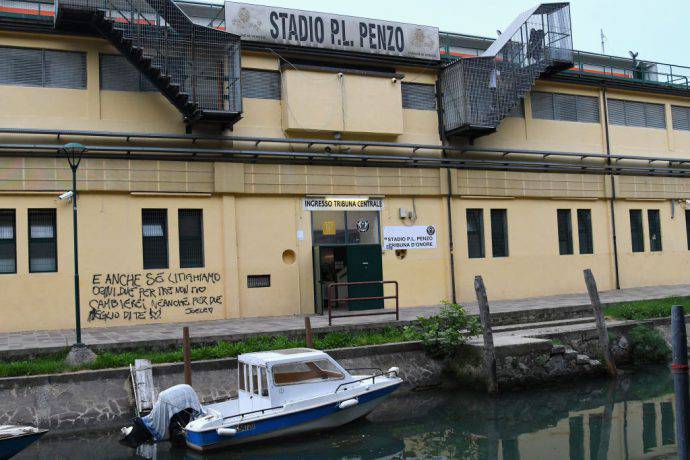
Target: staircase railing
x=479, y=92
x=197, y=68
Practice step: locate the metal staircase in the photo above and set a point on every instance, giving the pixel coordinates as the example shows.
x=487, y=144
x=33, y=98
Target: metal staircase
x=478, y=92
x=196, y=68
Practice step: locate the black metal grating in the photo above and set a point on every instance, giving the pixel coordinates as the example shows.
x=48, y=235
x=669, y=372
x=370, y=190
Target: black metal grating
x=418, y=96
x=42, y=241
x=154, y=232
x=191, y=227
x=8, y=241
x=117, y=74
x=42, y=68
x=196, y=67
x=261, y=84
x=258, y=281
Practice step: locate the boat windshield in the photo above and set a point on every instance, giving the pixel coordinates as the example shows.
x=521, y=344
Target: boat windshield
x=305, y=372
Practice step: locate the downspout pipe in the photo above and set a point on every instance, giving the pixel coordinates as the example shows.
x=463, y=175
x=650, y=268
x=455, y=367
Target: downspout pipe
x=449, y=195
x=613, y=189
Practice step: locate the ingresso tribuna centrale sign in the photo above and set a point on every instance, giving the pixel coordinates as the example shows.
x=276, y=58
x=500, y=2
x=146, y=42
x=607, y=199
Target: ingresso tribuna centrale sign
x=331, y=31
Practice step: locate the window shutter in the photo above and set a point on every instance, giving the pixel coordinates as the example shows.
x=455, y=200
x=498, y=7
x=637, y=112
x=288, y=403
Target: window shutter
x=418, y=96
x=616, y=111
x=65, y=69
x=634, y=114
x=565, y=107
x=542, y=105
x=117, y=74
x=21, y=66
x=519, y=110
x=587, y=109
x=260, y=84
x=681, y=117
x=655, y=116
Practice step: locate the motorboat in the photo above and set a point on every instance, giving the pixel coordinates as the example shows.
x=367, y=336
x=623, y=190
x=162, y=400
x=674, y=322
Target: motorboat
x=16, y=438
x=279, y=393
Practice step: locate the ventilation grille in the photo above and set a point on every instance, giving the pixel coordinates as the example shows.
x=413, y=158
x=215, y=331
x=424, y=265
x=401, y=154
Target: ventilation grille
x=258, y=281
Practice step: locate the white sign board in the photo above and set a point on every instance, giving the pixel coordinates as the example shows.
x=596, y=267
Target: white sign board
x=331, y=31
x=415, y=237
x=345, y=203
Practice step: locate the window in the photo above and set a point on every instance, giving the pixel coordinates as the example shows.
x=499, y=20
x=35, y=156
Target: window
x=565, y=232
x=654, y=230
x=584, y=231
x=499, y=233
x=117, y=74
x=518, y=111
x=305, y=372
x=263, y=381
x=345, y=227
x=8, y=241
x=43, y=68
x=681, y=117
x=260, y=84
x=42, y=241
x=687, y=226
x=636, y=231
x=191, y=227
x=418, y=96
x=565, y=107
x=154, y=232
x=633, y=113
x=241, y=376
x=475, y=233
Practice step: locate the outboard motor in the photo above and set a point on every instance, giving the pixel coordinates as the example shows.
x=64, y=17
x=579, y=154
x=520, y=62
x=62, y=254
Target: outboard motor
x=173, y=410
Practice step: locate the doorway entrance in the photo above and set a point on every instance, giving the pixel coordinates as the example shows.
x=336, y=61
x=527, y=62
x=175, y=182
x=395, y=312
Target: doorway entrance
x=347, y=249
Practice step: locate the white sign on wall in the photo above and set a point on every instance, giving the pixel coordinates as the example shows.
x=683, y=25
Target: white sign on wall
x=344, y=203
x=404, y=237
x=331, y=31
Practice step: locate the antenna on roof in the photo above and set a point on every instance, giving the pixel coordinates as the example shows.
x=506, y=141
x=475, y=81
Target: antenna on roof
x=603, y=41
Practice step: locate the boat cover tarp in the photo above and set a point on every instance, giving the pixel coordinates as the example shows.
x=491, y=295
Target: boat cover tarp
x=170, y=402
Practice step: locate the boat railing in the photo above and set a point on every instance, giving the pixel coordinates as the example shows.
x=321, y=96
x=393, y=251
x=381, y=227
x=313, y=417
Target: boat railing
x=258, y=411
x=368, y=377
x=377, y=369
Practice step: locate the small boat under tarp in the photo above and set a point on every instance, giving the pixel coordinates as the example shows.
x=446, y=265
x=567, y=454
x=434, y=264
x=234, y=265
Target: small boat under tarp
x=16, y=438
x=280, y=393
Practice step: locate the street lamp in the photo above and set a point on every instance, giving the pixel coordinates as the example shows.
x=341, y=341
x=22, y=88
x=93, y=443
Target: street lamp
x=74, y=153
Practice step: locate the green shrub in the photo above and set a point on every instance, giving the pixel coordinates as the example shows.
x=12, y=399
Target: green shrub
x=444, y=332
x=647, y=345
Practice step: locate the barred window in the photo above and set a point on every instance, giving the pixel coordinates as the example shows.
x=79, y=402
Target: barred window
x=681, y=117
x=565, y=107
x=499, y=232
x=154, y=232
x=117, y=74
x=260, y=84
x=687, y=226
x=8, y=241
x=418, y=96
x=475, y=233
x=584, y=231
x=191, y=226
x=565, y=232
x=42, y=68
x=636, y=230
x=42, y=241
x=633, y=113
x=654, y=222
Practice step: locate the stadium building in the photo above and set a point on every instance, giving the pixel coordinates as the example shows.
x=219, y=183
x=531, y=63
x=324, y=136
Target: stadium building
x=236, y=160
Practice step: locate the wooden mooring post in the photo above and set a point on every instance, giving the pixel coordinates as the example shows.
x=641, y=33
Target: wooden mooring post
x=308, y=333
x=187, y=353
x=485, y=318
x=601, y=324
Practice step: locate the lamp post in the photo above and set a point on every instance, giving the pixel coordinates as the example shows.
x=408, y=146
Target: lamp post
x=74, y=153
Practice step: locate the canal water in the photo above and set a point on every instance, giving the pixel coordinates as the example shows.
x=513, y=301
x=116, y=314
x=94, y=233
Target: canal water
x=631, y=418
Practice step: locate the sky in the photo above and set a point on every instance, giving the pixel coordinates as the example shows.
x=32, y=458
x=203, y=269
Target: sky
x=655, y=29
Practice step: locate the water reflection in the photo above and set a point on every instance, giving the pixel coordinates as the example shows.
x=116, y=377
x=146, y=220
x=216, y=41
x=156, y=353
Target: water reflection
x=631, y=418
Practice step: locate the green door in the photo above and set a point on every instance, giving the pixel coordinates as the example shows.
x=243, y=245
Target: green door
x=364, y=264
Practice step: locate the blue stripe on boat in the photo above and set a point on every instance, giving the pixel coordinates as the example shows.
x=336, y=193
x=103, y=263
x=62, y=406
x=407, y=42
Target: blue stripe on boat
x=208, y=438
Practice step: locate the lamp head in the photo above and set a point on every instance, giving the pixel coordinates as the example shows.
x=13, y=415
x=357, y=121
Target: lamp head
x=74, y=152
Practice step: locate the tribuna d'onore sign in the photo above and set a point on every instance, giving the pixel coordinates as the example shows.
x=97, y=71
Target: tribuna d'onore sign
x=331, y=31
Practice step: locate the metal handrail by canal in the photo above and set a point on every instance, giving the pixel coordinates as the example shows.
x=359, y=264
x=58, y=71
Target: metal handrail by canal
x=333, y=299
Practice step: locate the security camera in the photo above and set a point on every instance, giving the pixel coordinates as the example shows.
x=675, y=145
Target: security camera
x=394, y=80
x=65, y=196
x=340, y=74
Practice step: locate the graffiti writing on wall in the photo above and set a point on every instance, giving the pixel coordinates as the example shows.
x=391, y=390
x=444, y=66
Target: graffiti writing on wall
x=153, y=295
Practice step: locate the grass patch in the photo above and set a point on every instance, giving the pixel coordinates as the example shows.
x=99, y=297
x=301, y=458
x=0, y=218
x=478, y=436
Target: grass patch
x=54, y=363
x=645, y=309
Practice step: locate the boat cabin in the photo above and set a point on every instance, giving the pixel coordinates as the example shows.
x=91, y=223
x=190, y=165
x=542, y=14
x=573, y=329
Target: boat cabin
x=273, y=378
